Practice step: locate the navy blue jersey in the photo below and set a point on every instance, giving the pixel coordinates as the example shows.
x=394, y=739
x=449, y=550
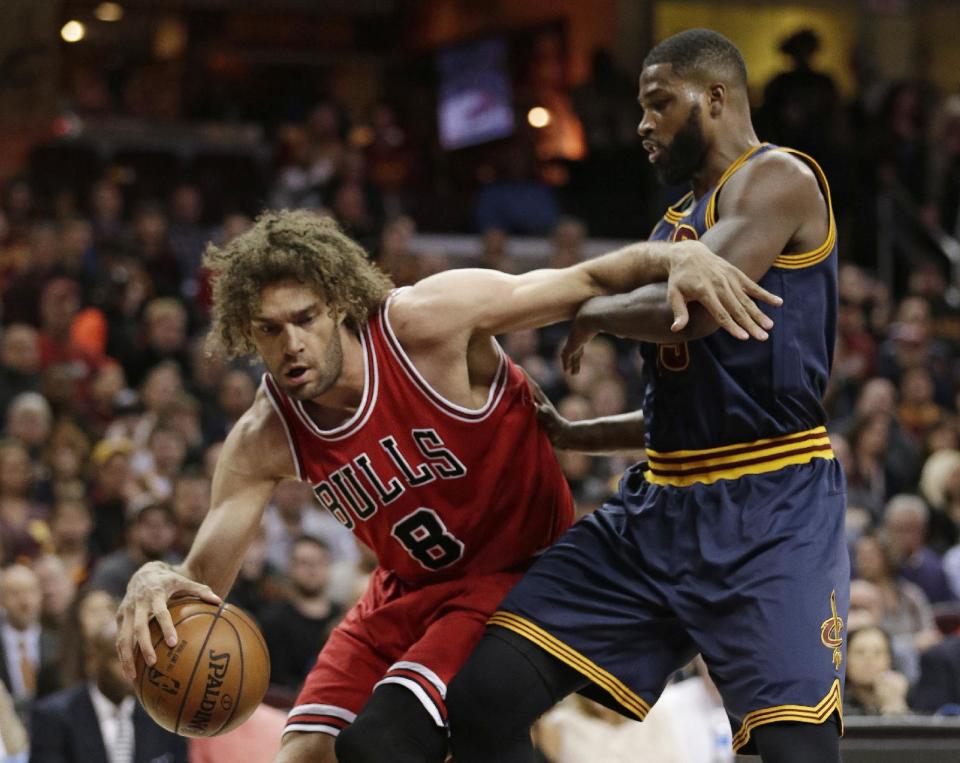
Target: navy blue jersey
x=720, y=391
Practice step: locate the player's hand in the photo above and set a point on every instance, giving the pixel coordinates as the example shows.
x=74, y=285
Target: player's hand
x=727, y=293
x=147, y=594
x=891, y=691
x=572, y=351
x=558, y=429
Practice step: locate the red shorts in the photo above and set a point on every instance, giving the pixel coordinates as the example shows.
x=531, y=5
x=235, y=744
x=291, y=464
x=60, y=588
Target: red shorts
x=417, y=638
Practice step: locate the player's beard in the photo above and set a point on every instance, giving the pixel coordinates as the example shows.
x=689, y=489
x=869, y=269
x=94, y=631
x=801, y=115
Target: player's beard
x=680, y=162
x=326, y=374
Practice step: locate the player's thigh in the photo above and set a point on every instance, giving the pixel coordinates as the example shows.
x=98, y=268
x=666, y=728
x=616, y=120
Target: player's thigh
x=299, y=747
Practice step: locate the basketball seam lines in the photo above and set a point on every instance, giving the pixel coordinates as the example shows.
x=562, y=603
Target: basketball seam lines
x=196, y=664
x=236, y=702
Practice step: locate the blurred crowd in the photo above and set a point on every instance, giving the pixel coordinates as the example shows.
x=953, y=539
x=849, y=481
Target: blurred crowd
x=113, y=413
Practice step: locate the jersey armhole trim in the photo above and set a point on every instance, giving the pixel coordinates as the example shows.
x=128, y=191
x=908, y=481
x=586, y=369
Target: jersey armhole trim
x=471, y=415
x=267, y=383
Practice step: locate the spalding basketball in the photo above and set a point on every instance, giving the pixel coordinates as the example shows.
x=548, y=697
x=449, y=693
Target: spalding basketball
x=215, y=676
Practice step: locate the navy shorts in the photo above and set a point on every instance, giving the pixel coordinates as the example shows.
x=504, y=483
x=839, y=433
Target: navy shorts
x=753, y=573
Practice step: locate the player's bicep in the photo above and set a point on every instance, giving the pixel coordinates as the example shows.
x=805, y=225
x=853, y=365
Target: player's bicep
x=490, y=302
x=760, y=211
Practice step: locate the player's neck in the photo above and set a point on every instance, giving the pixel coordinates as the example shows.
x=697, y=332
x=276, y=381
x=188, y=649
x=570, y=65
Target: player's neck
x=344, y=395
x=726, y=149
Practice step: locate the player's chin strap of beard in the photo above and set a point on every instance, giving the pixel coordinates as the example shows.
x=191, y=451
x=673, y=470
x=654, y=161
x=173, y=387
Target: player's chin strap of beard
x=393, y=726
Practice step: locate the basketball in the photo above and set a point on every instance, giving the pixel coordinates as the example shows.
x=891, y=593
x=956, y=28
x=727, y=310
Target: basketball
x=213, y=679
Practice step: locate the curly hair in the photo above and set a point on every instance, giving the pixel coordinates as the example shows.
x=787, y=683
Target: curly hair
x=298, y=246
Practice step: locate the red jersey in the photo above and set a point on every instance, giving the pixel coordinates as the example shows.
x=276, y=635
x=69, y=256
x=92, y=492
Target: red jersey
x=437, y=490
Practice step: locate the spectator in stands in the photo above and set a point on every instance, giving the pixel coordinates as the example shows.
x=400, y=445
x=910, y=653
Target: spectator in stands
x=150, y=537
x=165, y=339
x=566, y=243
x=191, y=502
x=516, y=201
x=151, y=247
x=940, y=486
x=100, y=721
x=234, y=396
x=161, y=387
x=24, y=534
x=257, y=583
x=106, y=211
x=188, y=235
x=22, y=293
x=911, y=344
x=872, y=686
x=25, y=645
x=105, y=388
x=29, y=419
x=871, y=482
x=65, y=460
x=918, y=411
x=112, y=490
x=91, y=611
x=162, y=462
x=59, y=591
x=19, y=363
x=907, y=615
x=292, y=513
x=297, y=627
x=939, y=683
x=905, y=521
x=71, y=527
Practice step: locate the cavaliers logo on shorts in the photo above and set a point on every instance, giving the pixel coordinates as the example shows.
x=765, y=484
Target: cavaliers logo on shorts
x=831, y=631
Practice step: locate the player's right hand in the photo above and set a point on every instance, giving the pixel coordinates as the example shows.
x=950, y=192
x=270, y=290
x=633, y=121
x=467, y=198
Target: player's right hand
x=147, y=594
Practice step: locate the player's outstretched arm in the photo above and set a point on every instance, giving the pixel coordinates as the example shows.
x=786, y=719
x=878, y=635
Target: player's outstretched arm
x=763, y=210
x=488, y=302
x=254, y=458
x=623, y=433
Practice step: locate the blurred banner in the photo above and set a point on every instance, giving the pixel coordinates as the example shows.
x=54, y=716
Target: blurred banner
x=475, y=95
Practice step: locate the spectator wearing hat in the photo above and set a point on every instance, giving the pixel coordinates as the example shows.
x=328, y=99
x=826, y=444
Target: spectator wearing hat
x=151, y=533
x=112, y=488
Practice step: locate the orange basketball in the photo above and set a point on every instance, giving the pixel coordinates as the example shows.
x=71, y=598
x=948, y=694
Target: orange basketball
x=215, y=676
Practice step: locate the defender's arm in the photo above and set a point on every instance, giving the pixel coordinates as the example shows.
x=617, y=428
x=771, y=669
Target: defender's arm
x=761, y=211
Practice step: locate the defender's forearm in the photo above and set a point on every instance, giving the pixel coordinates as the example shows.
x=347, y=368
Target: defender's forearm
x=607, y=435
x=643, y=314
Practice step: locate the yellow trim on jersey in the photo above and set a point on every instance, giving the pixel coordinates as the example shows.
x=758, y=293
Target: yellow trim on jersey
x=606, y=681
x=682, y=468
x=673, y=215
x=832, y=702
x=710, y=218
x=736, y=446
x=806, y=259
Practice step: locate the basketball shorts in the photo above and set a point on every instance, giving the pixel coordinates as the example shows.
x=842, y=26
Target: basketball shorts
x=753, y=573
x=417, y=638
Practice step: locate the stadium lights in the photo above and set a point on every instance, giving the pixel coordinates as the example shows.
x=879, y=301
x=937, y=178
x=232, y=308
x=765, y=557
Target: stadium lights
x=538, y=117
x=73, y=31
x=108, y=12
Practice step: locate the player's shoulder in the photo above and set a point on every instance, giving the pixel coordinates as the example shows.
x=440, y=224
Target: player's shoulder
x=773, y=177
x=259, y=439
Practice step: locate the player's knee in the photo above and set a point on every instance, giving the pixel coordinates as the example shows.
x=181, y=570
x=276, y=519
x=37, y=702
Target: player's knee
x=383, y=733
x=474, y=702
x=299, y=747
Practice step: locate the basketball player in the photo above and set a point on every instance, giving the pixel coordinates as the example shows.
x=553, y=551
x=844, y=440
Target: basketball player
x=418, y=434
x=729, y=540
